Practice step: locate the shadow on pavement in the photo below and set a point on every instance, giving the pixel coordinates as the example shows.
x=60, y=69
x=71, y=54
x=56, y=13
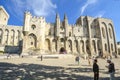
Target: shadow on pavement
x=24, y=71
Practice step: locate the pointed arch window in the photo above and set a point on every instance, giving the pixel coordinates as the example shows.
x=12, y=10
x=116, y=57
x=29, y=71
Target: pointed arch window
x=33, y=26
x=103, y=32
x=1, y=35
x=69, y=33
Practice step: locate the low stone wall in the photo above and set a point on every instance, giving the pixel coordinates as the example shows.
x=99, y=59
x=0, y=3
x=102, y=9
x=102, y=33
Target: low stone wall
x=56, y=56
x=11, y=49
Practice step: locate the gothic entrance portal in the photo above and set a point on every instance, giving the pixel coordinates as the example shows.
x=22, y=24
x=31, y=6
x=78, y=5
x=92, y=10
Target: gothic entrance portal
x=62, y=46
x=32, y=41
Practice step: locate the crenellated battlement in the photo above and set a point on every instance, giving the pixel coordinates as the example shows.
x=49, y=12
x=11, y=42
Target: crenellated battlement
x=35, y=18
x=27, y=12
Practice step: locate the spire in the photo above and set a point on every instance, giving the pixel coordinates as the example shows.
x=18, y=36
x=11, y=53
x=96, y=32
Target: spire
x=57, y=15
x=65, y=17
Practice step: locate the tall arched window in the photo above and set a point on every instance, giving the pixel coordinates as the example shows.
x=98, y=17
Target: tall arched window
x=33, y=27
x=12, y=37
x=70, y=45
x=82, y=45
x=88, y=47
x=76, y=45
x=69, y=33
x=112, y=47
x=105, y=47
x=1, y=35
x=103, y=32
x=110, y=30
x=110, y=33
x=6, y=36
x=18, y=36
x=54, y=45
x=93, y=44
x=47, y=43
x=99, y=44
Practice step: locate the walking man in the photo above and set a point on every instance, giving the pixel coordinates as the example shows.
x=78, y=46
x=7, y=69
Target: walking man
x=41, y=57
x=89, y=63
x=77, y=59
x=96, y=70
x=111, y=69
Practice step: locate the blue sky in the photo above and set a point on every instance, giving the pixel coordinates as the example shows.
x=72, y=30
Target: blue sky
x=72, y=8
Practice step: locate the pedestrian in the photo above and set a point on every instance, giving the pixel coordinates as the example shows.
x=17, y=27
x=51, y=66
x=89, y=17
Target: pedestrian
x=111, y=69
x=8, y=56
x=89, y=63
x=96, y=70
x=41, y=57
x=77, y=59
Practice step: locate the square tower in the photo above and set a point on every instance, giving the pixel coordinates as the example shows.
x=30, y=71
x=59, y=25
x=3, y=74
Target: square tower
x=4, y=16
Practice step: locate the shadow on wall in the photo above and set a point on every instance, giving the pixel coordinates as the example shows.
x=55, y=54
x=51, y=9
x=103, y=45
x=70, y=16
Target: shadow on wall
x=119, y=51
x=13, y=49
x=39, y=72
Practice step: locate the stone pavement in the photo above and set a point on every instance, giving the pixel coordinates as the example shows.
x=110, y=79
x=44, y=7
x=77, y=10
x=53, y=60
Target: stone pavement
x=62, y=68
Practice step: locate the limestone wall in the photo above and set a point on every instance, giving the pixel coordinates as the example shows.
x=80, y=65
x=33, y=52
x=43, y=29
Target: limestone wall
x=10, y=35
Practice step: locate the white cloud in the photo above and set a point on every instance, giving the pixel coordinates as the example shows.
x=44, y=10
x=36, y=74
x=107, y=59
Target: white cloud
x=41, y=7
x=89, y=2
x=38, y=7
x=100, y=14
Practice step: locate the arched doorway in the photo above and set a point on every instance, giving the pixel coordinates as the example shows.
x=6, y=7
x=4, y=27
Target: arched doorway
x=62, y=50
x=32, y=41
x=47, y=44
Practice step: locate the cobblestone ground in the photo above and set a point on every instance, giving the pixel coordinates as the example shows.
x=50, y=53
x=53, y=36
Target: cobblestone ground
x=64, y=68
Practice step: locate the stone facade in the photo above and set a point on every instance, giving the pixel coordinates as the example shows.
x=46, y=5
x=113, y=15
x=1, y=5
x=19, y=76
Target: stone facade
x=88, y=36
x=118, y=46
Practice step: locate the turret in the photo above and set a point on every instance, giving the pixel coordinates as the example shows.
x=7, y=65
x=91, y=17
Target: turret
x=26, y=22
x=57, y=25
x=65, y=17
x=4, y=16
x=66, y=25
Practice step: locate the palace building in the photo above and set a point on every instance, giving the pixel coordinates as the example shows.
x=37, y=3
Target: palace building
x=88, y=36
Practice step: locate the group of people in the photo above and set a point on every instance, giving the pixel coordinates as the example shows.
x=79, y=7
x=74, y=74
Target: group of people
x=111, y=69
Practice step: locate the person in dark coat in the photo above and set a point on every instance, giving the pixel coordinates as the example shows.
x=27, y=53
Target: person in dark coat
x=77, y=59
x=96, y=70
x=111, y=69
